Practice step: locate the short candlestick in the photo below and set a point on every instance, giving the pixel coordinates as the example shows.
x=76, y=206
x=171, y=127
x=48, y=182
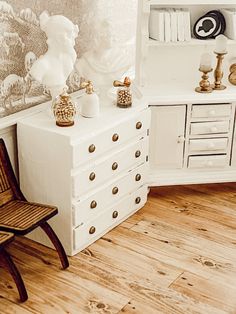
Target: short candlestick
x=204, y=84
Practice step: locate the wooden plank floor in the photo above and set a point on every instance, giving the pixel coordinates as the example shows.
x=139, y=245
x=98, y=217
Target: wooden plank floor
x=177, y=255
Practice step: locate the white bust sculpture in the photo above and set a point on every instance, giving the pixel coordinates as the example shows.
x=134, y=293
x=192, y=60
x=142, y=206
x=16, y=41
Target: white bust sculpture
x=53, y=68
x=105, y=62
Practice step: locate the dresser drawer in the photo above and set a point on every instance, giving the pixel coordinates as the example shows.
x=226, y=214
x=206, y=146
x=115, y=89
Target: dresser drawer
x=211, y=111
x=112, y=138
x=210, y=145
x=107, y=168
x=217, y=161
x=87, y=208
x=87, y=233
x=217, y=127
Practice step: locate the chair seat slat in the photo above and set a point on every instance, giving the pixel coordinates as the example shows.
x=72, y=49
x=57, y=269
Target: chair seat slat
x=22, y=215
x=5, y=237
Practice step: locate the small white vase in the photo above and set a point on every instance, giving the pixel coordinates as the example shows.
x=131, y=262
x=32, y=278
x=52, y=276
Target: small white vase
x=89, y=105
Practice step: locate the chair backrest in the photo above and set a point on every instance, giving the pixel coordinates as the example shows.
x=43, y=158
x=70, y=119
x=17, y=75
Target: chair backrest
x=9, y=189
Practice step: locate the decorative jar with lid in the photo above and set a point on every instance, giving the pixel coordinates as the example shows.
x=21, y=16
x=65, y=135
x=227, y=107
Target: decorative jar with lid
x=64, y=110
x=124, y=95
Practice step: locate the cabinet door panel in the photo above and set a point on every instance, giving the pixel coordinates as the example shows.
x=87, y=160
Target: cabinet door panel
x=167, y=137
x=233, y=161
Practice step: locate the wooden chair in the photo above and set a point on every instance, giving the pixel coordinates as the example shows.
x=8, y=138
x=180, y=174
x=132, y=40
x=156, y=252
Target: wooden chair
x=19, y=216
x=5, y=258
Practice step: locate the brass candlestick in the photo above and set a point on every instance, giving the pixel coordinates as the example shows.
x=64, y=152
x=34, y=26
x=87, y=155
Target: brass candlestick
x=218, y=73
x=204, y=84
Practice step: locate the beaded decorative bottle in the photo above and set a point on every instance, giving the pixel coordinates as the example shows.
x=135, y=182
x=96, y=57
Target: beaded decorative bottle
x=64, y=110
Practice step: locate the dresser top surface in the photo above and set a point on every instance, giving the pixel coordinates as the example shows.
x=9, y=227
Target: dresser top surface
x=109, y=116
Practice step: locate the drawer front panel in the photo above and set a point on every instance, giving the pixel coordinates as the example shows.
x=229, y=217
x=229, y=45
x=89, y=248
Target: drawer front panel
x=218, y=161
x=87, y=233
x=111, y=139
x=86, y=209
x=98, y=173
x=200, y=128
x=211, y=111
x=209, y=145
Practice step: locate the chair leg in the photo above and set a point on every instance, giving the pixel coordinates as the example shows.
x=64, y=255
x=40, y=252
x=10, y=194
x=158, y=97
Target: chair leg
x=56, y=242
x=8, y=262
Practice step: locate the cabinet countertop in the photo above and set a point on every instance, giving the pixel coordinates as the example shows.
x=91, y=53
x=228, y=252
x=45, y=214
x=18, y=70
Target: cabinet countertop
x=177, y=94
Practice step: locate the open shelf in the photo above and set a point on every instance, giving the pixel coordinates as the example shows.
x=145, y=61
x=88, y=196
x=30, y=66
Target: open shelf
x=191, y=2
x=192, y=42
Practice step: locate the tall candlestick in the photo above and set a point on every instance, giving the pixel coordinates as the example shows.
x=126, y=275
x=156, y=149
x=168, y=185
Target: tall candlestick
x=221, y=44
x=220, y=51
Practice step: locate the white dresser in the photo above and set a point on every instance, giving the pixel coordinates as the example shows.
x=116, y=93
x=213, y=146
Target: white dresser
x=95, y=171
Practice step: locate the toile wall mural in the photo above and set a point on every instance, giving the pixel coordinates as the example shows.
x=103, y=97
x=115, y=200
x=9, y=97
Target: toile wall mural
x=22, y=42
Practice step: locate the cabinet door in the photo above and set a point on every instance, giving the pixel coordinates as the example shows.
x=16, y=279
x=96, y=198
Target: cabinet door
x=233, y=161
x=167, y=136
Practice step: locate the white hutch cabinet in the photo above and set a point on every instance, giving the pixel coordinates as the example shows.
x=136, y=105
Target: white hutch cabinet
x=192, y=135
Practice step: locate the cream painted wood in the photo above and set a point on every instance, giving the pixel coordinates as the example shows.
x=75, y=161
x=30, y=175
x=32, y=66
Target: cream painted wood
x=211, y=111
x=103, y=140
x=213, y=145
x=216, y=169
x=208, y=161
x=191, y=2
x=108, y=167
x=88, y=206
x=47, y=160
x=89, y=232
x=216, y=127
x=233, y=161
x=172, y=68
x=167, y=136
x=167, y=74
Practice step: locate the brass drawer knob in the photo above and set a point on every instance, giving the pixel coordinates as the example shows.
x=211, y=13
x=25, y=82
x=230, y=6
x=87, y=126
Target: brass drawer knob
x=137, y=153
x=138, y=177
x=114, y=166
x=138, y=200
x=93, y=204
x=92, y=176
x=115, y=137
x=92, y=148
x=115, y=190
x=92, y=230
x=139, y=125
x=115, y=214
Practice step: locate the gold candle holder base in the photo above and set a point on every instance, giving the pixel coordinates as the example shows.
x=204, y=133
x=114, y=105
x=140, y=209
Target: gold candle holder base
x=200, y=90
x=221, y=87
x=218, y=73
x=204, y=84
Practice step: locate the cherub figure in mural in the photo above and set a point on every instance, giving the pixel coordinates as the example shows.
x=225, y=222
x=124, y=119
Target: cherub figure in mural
x=17, y=86
x=53, y=68
x=106, y=62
